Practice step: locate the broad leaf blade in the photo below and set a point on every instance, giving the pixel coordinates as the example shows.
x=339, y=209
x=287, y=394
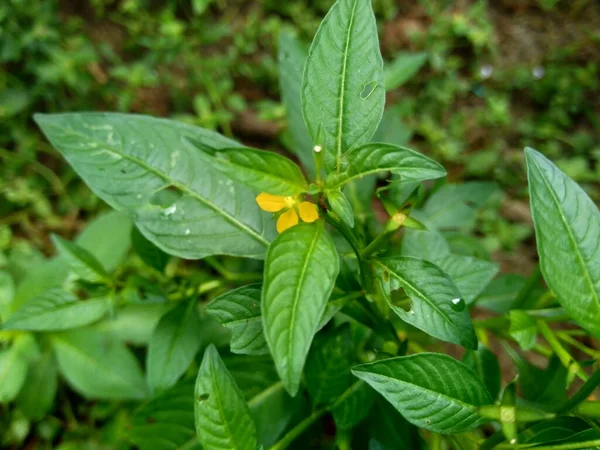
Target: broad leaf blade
x=567, y=230
x=98, y=366
x=259, y=170
x=173, y=345
x=292, y=56
x=239, y=310
x=432, y=391
x=57, y=310
x=436, y=305
x=300, y=271
x=353, y=405
x=378, y=158
x=223, y=419
x=127, y=159
x=470, y=275
x=343, y=92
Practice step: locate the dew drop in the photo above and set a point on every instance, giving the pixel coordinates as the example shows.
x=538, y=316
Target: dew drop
x=170, y=210
x=187, y=232
x=458, y=304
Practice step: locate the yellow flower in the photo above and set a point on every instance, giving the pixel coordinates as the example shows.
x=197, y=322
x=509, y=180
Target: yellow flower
x=274, y=203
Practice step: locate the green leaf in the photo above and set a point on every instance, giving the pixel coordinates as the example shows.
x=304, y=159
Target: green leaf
x=259, y=170
x=98, y=366
x=128, y=159
x=470, y=275
x=167, y=421
x=13, y=372
x=558, y=430
x=343, y=91
x=424, y=244
x=341, y=206
x=500, y=293
x=567, y=230
x=81, y=262
x=386, y=425
x=436, y=305
x=378, y=158
x=223, y=419
x=108, y=238
x=432, y=391
x=173, y=345
x=292, y=56
x=328, y=367
x=523, y=329
x=7, y=293
x=486, y=365
x=300, y=271
x=402, y=68
x=57, y=310
x=38, y=392
x=391, y=129
x=353, y=405
x=272, y=410
x=239, y=310
x=148, y=252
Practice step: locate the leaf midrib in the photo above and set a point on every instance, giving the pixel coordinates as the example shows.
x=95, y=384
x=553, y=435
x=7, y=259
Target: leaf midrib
x=342, y=88
x=569, y=234
x=178, y=185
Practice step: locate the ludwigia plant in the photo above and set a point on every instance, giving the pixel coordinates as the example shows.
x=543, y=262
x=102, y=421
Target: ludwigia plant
x=334, y=278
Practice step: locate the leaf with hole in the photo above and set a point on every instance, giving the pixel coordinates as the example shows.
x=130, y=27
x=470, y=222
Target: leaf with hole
x=127, y=160
x=343, y=91
x=431, y=390
x=223, y=419
x=300, y=271
x=436, y=304
x=567, y=231
x=239, y=310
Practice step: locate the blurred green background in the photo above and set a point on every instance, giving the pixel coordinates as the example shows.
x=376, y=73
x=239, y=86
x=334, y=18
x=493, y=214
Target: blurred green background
x=471, y=82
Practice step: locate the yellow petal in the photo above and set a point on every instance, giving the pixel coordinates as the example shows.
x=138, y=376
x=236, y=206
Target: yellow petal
x=270, y=202
x=308, y=211
x=287, y=220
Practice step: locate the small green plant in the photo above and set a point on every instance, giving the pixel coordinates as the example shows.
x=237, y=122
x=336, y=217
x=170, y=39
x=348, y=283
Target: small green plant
x=320, y=294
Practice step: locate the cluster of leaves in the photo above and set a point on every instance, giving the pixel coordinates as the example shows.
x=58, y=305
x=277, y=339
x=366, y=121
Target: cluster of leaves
x=339, y=312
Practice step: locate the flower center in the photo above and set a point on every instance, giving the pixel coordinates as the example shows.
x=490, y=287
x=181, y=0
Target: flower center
x=289, y=201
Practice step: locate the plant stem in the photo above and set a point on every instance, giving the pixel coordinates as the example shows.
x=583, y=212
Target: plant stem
x=590, y=409
x=568, y=446
x=565, y=357
x=298, y=429
x=374, y=245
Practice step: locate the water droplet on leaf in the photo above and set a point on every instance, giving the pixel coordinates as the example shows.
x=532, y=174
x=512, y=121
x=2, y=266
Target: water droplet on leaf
x=458, y=304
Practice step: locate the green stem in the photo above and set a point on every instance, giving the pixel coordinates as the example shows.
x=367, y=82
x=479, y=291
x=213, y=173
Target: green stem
x=588, y=387
x=374, y=245
x=565, y=357
x=568, y=446
x=291, y=435
x=590, y=409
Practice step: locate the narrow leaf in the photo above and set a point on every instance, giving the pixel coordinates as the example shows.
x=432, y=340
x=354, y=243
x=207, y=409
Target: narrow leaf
x=377, y=158
x=402, y=69
x=173, y=345
x=97, y=366
x=353, y=405
x=300, y=271
x=13, y=372
x=341, y=206
x=523, y=329
x=432, y=391
x=567, y=230
x=223, y=419
x=436, y=304
x=38, y=392
x=128, y=160
x=259, y=170
x=343, y=91
x=82, y=262
x=239, y=310
x=57, y=310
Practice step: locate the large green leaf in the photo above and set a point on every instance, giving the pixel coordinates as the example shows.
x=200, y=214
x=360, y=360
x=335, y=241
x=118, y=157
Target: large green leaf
x=38, y=392
x=259, y=170
x=239, y=310
x=223, y=419
x=292, y=56
x=567, y=230
x=436, y=304
x=328, y=366
x=57, y=310
x=127, y=160
x=381, y=158
x=300, y=271
x=167, y=421
x=173, y=345
x=98, y=366
x=432, y=391
x=343, y=92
